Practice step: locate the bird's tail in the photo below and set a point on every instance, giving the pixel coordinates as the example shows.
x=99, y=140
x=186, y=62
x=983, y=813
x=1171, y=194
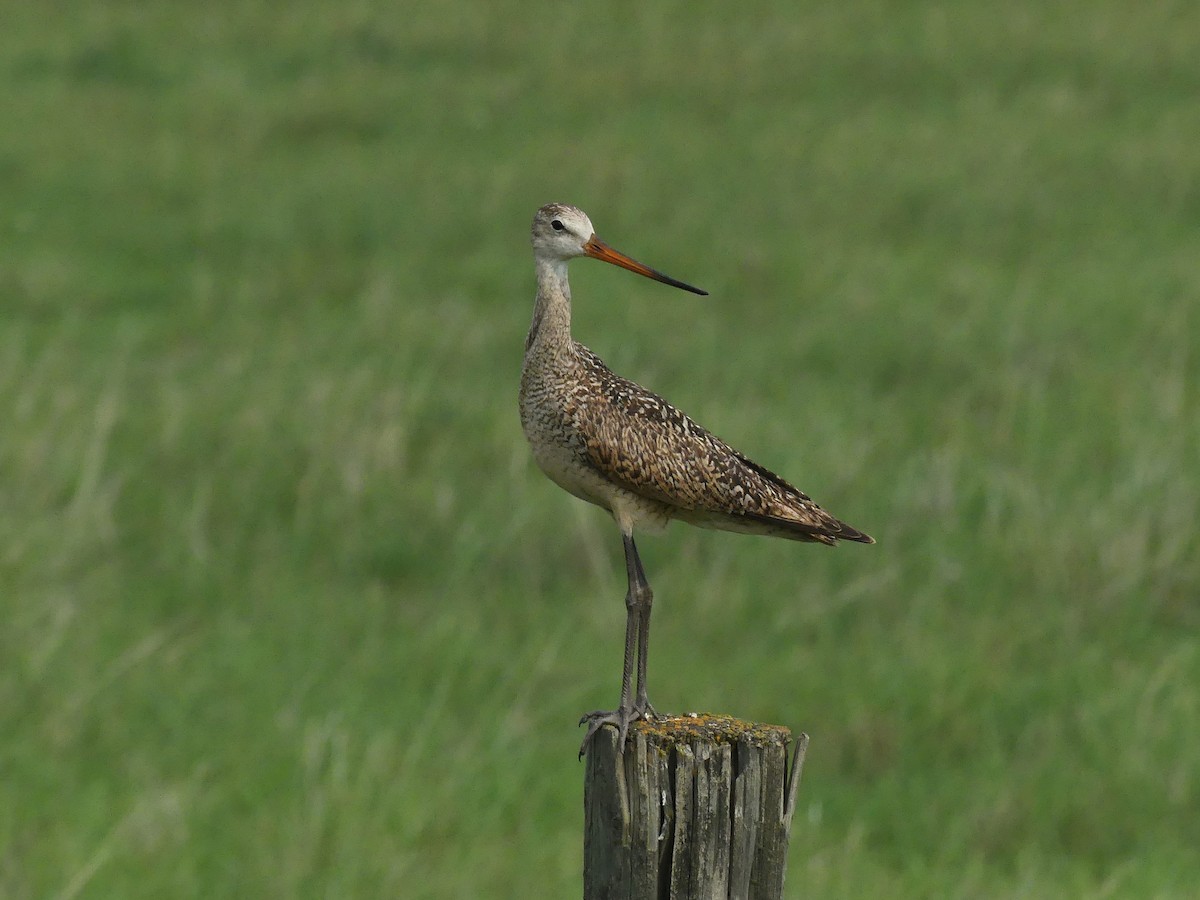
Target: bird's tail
x=850, y=533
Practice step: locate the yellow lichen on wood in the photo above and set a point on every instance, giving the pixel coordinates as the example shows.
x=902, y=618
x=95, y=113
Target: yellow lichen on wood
x=710, y=728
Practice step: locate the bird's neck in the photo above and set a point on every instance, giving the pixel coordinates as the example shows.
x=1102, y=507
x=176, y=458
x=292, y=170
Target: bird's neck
x=551, y=326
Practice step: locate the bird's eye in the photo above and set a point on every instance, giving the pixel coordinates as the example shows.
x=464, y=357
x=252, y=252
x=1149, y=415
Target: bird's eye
x=556, y=225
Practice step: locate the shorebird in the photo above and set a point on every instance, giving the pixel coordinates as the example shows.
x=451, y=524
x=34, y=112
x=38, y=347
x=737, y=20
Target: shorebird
x=615, y=444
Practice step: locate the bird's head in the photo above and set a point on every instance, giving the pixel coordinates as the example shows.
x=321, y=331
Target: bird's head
x=561, y=231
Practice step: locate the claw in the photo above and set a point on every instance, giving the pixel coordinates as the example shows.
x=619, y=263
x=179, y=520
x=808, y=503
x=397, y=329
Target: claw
x=618, y=718
x=587, y=717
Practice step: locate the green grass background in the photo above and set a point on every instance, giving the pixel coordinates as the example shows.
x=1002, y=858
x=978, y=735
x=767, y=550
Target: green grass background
x=288, y=610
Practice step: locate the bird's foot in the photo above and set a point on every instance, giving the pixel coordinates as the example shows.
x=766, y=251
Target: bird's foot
x=644, y=710
x=620, y=718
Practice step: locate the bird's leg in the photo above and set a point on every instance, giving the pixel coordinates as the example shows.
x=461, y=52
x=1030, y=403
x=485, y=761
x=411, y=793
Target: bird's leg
x=637, y=624
x=623, y=714
x=639, y=587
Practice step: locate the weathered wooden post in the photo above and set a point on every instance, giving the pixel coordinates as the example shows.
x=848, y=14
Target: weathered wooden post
x=696, y=807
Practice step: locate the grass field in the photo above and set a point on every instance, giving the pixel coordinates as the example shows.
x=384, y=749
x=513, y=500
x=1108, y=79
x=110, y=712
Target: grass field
x=287, y=609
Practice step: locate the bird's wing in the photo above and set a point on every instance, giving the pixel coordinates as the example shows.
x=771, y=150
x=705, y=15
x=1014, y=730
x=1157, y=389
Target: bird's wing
x=646, y=445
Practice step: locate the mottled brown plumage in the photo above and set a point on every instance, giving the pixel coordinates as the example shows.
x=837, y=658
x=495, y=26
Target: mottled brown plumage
x=614, y=443
x=643, y=443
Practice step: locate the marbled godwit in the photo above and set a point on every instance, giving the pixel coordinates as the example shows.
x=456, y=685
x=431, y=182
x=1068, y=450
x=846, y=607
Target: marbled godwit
x=617, y=445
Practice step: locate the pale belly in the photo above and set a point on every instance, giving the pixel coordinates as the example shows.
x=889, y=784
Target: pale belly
x=566, y=467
